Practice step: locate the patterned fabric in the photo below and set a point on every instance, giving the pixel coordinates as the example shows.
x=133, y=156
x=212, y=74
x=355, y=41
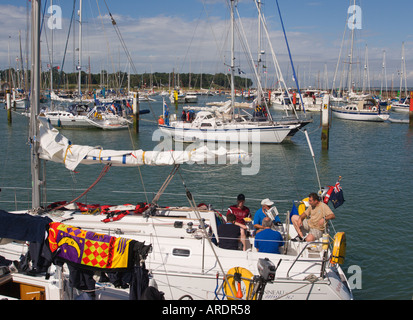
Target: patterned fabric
x=89, y=249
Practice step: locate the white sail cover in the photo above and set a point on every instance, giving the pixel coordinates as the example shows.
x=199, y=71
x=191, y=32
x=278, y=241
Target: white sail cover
x=55, y=147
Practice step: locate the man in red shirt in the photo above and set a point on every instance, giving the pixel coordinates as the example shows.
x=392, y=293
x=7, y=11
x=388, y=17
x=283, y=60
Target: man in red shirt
x=240, y=211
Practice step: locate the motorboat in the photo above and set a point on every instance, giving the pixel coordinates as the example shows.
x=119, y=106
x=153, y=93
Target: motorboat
x=363, y=110
x=403, y=107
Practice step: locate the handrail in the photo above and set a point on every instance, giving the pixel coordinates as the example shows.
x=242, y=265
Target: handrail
x=298, y=255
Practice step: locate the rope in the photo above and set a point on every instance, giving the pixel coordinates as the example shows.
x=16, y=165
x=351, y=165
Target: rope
x=101, y=175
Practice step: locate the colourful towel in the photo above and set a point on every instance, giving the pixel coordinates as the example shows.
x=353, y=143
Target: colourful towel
x=89, y=249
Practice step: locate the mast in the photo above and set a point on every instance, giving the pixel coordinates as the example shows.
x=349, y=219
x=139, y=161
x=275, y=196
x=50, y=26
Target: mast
x=232, y=59
x=51, y=64
x=259, y=50
x=365, y=78
x=35, y=103
x=351, y=53
x=80, y=51
x=402, y=73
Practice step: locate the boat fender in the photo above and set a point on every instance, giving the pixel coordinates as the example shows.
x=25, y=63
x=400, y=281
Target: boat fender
x=303, y=206
x=339, y=248
x=234, y=277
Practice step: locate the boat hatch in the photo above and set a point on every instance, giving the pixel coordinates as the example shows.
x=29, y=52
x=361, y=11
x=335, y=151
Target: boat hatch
x=179, y=252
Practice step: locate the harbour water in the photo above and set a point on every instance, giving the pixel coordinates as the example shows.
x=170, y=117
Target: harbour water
x=375, y=161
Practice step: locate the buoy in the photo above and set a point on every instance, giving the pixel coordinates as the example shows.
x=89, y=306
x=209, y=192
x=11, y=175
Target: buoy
x=303, y=206
x=235, y=292
x=339, y=248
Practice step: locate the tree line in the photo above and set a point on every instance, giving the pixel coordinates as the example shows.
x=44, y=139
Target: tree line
x=63, y=80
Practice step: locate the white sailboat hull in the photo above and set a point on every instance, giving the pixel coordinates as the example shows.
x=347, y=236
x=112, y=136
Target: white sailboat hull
x=184, y=263
x=231, y=133
x=359, y=115
x=75, y=122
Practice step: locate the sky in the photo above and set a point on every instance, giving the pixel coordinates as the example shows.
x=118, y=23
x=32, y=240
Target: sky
x=193, y=36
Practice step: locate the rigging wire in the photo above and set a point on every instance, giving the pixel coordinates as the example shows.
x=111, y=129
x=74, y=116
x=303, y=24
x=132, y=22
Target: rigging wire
x=67, y=42
x=289, y=53
x=101, y=175
x=194, y=207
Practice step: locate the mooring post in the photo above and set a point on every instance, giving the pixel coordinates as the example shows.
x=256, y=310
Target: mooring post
x=136, y=111
x=411, y=110
x=325, y=122
x=8, y=104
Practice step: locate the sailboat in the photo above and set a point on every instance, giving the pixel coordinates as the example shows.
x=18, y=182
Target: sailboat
x=249, y=123
x=185, y=259
x=81, y=116
x=402, y=105
x=174, y=245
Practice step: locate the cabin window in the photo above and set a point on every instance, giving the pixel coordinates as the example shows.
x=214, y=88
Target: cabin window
x=206, y=125
x=179, y=252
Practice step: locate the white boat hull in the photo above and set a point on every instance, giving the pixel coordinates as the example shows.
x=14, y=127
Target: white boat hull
x=74, y=122
x=234, y=133
x=402, y=108
x=21, y=103
x=359, y=115
x=184, y=263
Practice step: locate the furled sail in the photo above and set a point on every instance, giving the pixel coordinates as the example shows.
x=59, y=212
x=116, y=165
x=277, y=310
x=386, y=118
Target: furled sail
x=53, y=146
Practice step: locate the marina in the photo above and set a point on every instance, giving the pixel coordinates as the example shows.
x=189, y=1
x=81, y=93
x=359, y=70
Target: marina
x=351, y=151
x=145, y=206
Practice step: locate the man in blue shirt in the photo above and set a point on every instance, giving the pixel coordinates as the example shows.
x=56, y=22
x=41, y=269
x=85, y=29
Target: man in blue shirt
x=259, y=215
x=268, y=240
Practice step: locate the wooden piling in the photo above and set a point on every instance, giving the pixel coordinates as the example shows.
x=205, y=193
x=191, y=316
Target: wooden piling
x=411, y=110
x=325, y=122
x=8, y=104
x=136, y=112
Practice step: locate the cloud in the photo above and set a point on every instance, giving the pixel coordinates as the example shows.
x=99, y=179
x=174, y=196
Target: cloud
x=163, y=43
x=13, y=19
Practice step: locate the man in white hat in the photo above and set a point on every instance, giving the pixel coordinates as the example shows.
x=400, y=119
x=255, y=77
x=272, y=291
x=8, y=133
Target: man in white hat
x=260, y=214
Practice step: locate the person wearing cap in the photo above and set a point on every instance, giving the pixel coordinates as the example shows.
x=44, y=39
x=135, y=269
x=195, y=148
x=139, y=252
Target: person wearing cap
x=260, y=214
x=240, y=211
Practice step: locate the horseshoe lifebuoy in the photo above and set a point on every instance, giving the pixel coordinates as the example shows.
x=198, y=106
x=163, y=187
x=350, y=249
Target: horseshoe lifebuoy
x=233, y=287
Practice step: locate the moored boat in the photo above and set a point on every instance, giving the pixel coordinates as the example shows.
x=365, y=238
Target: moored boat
x=363, y=110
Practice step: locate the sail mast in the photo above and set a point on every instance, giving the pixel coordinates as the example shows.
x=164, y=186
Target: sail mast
x=350, y=85
x=35, y=103
x=80, y=51
x=232, y=59
x=259, y=51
